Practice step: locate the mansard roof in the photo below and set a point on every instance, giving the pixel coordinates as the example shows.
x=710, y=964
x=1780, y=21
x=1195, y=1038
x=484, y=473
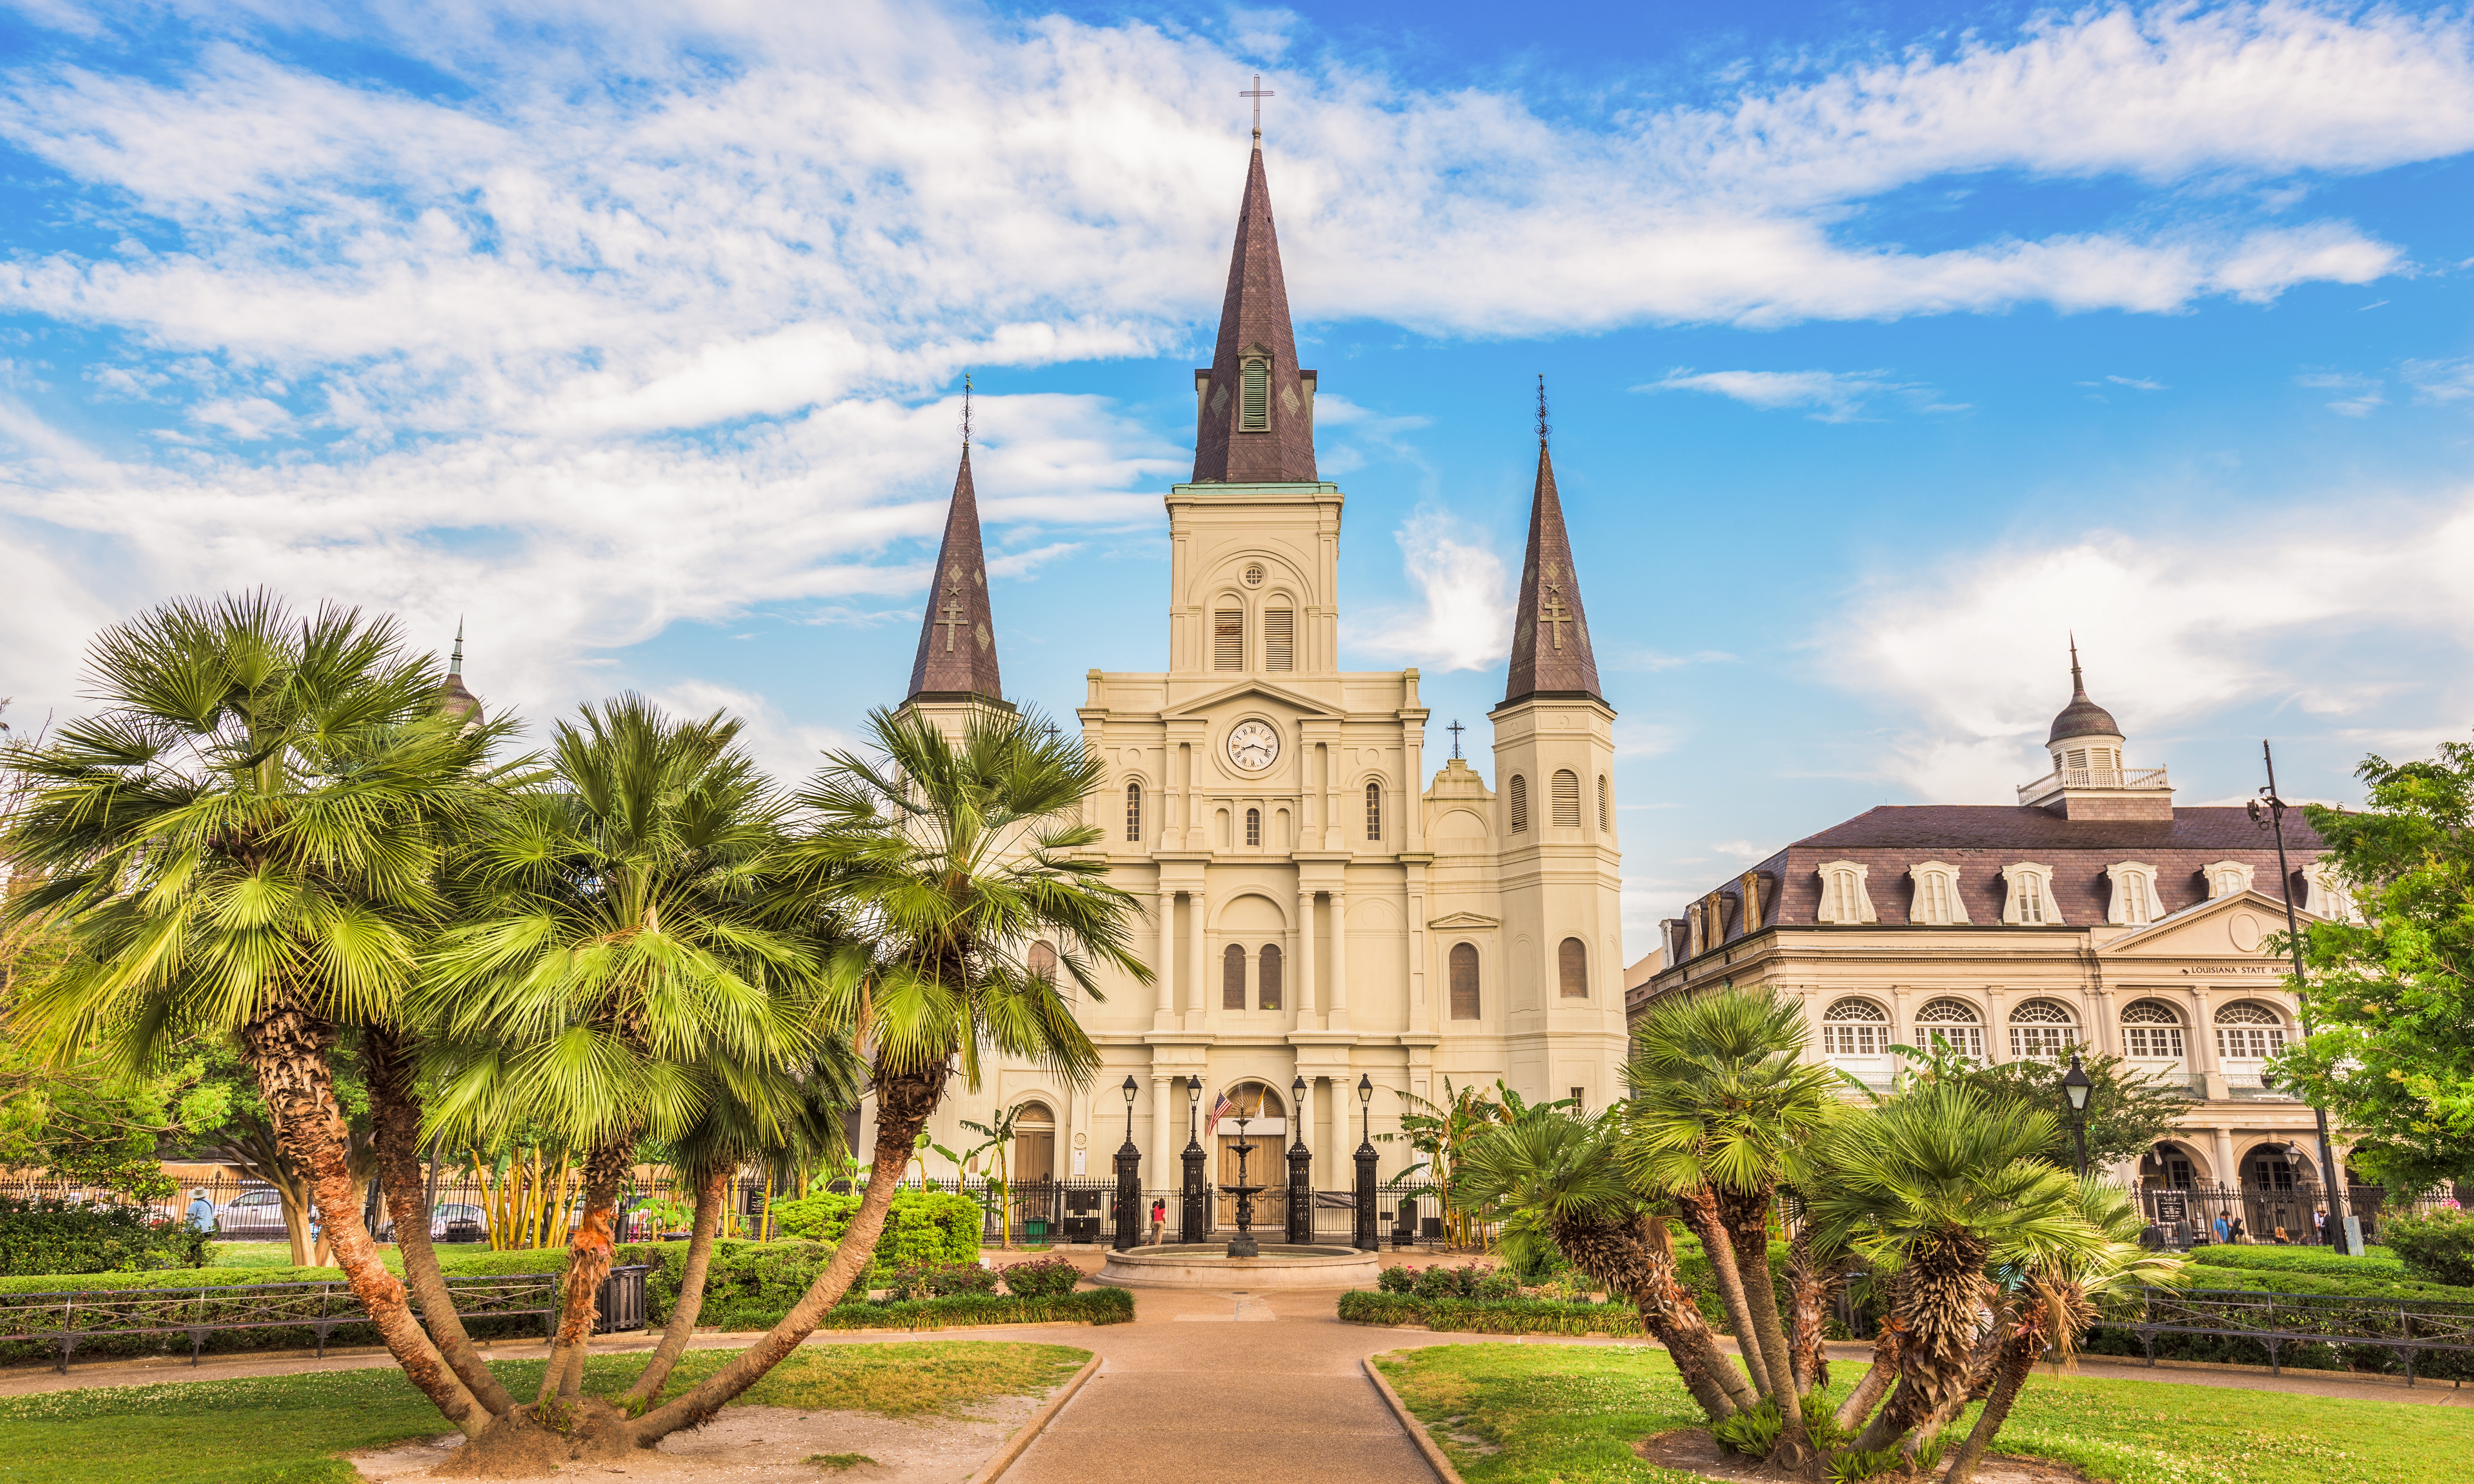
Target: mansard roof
x=1550, y=632
x=958, y=644
x=1254, y=325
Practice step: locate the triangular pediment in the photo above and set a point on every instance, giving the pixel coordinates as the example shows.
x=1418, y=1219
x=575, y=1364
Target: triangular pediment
x=2235, y=926
x=1196, y=707
x=1464, y=920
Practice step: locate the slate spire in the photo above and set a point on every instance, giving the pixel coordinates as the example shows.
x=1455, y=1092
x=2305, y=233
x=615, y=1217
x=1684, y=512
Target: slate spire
x=1254, y=413
x=1550, y=634
x=957, y=641
x=452, y=697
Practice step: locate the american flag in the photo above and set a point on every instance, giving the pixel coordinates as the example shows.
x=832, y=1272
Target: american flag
x=1219, y=1111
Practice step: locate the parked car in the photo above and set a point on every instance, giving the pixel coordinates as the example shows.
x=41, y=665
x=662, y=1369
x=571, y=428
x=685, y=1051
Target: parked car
x=252, y=1217
x=449, y=1221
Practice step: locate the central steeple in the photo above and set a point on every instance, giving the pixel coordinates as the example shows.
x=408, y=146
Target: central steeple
x=1253, y=407
x=957, y=648
x=1550, y=635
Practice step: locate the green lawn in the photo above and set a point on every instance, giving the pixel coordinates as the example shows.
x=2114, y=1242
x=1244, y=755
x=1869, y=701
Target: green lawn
x=287, y=1428
x=1569, y=1415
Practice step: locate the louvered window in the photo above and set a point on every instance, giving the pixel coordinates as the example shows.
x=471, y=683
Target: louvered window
x=1135, y=811
x=1572, y=968
x=1567, y=800
x=1373, y=811
x=1519, y=802
x=1253, y=826
x=1602, y=826
x=1267, y=968
x=1229, y=639
x=1463, y=962
x=1280, y=638
x=1233, y=978
x=1254, y=397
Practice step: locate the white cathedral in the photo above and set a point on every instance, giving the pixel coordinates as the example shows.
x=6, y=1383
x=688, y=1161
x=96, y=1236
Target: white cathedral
x=1316, y=915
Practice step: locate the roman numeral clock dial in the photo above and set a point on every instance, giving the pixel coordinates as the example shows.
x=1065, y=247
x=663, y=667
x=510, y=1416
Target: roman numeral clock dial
x=1253, y=746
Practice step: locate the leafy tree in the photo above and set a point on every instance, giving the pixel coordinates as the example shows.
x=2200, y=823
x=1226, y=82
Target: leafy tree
x=2391, y=999
x=2127, y=1110
x=246, y=841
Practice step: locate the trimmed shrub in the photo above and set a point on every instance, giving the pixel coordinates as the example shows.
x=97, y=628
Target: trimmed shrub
x=50, y=1236
x=940, y=1280
x=2438, y=1247
x=1490, y=1316
x=1097, y=1305
x=2318, y=1260
x=1044, y=1278
x=1399, y=1278
x=1469, y=1280
x=922, y=1228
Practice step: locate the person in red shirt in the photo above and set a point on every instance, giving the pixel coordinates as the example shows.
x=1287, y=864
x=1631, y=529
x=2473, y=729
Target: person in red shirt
x=1159, y=1220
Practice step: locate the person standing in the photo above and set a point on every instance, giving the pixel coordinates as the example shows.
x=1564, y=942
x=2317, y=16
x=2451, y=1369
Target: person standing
x=201, y=1211
x=2221, y=1237
x=1159, y=1219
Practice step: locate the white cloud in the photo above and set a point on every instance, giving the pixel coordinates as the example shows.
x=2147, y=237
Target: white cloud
x=2138, y=383
x=1464, y=621
x=2440, y=381
x=1835, y=396
x=2362, y=397
x=2170, y=627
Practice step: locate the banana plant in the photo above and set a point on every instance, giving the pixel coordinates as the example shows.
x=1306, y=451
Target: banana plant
x=997, y=1143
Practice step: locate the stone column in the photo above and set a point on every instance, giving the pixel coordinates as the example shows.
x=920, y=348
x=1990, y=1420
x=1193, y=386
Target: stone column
x=1159, y=1171
x=1306, y=965
x=1338, y=1019
x=1166, y=989
x=2228, y=1175
x=1201, y=976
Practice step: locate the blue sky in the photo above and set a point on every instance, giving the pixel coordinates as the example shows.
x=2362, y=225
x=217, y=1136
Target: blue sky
x=1888, y=345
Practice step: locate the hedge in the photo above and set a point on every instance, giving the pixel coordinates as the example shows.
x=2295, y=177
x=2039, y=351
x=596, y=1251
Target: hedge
x=2379, y=1262
x=478, y=1261
x=48, y=1235
x=1490, y=1316
x=963, y=1311
x=923, y=1227
x=2438, y=1246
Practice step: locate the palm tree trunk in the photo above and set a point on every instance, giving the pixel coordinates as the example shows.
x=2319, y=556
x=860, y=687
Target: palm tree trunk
x=1701, y=1214
x=395, y=1119
x=288, y=1049
x=1746, y=1214
x=1876, y=1385
x=711, y=1193
x=1984, y=1367
x=1810, y=1291
x=903, y=1104
x=1616, y=1255
x=1944, y=1282
x=2018, y=1361
x=588, y=1263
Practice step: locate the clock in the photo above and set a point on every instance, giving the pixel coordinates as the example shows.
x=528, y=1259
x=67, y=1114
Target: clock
x=1252, y=745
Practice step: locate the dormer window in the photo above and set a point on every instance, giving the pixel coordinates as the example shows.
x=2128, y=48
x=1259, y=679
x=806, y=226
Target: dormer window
x=2325, y=893
x=1254, y=394
x=1936, y=900
x=2030, y=900
x=2227, y=879
x=1843, y=898
x=2133, y=895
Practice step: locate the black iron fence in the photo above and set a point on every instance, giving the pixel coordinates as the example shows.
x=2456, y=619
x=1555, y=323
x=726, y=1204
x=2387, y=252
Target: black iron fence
x=2295, y=1215
x=2281, y=1321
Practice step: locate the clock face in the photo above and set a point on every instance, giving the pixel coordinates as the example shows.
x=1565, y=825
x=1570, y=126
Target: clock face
x=1252, y=745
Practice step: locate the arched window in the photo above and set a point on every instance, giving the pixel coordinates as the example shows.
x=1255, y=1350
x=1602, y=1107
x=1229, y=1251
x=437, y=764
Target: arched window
x=1565, y=796
x=2043, y=1027
x=1134, y=812
x=1232, y=977
x=1373, y=811
x=1956, y=1022
x=1229, y=639
x=1253, y=826
x=2134, y=893
x=1519, y=802
x=1267, y=973
x=1280, y=638
x=1042, y=962
x=1254, y=395
x=1604, y=824
x=1463, y=963
x=2151, y=1029
x=1572, y=967
x=2029, y=901
x=1855, y=1027
x=2248, y=1031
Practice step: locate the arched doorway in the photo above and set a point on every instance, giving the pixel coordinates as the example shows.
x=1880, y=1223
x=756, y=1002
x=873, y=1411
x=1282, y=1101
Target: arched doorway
x=2280, y=1184
x=1267, y=1132
x=1032, y=1159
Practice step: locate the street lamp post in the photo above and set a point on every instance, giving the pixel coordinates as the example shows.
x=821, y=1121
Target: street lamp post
x=1190, y=1216
x=2340, y=1234
x=2075, y=1087
x=1300, y=1169
x=1365, y=1159
x=1130, y=1180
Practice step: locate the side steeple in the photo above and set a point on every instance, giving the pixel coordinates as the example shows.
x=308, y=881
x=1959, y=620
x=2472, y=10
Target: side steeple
x=1253, y=407
x=454, y=698
x=1550, y=634
x=958, y=640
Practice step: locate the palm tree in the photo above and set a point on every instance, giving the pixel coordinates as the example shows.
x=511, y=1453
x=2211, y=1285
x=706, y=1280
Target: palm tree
x=628, y=955
x=1721, y=1101
x=1935, y=1186
x=1560, y=1172
x=950, y=858
x=2061, y=1295
x=246, y=841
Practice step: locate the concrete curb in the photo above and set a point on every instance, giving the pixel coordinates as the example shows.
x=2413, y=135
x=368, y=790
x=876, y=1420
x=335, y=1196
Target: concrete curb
x=987, y=1473
x=1417, y=1430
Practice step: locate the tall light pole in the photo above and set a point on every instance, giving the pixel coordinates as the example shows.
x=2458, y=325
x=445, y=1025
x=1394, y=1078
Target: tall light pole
x=1366, y=1162
x=2332, y=1180
x=2075, y=1087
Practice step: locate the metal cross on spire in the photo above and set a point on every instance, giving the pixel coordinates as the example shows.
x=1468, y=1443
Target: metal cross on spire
x=1456, y=728
x=1258, y=92
x=966, y=412
x=1541, y=408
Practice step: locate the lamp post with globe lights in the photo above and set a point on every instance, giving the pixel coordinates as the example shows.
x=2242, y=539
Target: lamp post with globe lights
x=1191, y=1212
x=2076, y=1085
x=1366, y=1161
x=1130, y=1180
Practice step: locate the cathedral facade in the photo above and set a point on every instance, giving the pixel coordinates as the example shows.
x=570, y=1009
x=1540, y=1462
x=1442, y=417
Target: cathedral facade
x=1318, y=911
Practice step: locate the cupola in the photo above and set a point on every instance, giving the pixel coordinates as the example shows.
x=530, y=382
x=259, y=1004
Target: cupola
x=2090, y=781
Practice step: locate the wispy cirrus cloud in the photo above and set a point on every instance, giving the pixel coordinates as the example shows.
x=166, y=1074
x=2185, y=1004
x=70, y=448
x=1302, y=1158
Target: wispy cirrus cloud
x=1833, y=397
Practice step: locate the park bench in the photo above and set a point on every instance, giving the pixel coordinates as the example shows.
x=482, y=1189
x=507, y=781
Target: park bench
x=2278, y=1320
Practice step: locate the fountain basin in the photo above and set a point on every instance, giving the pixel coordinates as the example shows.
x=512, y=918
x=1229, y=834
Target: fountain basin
x=1208, y=1265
